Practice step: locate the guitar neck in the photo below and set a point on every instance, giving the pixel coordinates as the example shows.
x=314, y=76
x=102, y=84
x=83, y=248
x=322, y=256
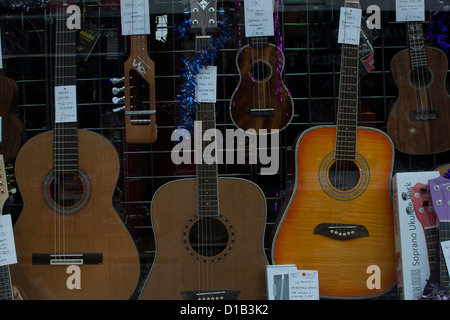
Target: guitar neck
x=432, y=239
x=416, y=42
x=444, y=235
x=5, y=284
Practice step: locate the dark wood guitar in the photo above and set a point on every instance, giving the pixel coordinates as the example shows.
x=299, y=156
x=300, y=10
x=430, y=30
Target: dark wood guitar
x=209, y=231
x=440, y=196
x=67, y=177
x=338, y=218
x=140, y=103
x=261, y=99
x=422, y=111
x=12, y=129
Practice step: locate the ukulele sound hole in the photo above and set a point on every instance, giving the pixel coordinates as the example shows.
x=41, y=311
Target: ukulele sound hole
x=420, y=77
x=344, y=175
x=260, y=71
x=66, y=189
x=209, y=239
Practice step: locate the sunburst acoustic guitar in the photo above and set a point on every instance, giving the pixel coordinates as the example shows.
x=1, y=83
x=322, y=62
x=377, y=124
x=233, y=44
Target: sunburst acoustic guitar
x=338, y=218
x=209, y=231
x=422, y=111
x=67, y=177
x=261, y=99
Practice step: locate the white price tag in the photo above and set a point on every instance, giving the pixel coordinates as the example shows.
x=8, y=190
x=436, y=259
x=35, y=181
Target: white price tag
x=304, y=285
x=135, y=17
x=258, y=18
x=409, y=10
x=349, y=26
x=206, y=84
x=7, y=247
x=65, y=104
x=446, y=251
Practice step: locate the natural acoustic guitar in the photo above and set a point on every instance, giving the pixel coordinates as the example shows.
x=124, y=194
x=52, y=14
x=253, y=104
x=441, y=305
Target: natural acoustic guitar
x=70, y=242
x=422, y=111
x=338, y=218
x=261, y=99
x=12, y=129
x=209, y=231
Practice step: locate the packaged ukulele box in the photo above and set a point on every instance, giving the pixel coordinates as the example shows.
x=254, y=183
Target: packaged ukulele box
x=413, y=268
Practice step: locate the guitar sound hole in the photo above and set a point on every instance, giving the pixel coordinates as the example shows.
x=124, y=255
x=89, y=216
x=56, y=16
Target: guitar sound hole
x=208, y=237
x=260, y=71
x=420, y=77
x=344, y=175
x=66, y=189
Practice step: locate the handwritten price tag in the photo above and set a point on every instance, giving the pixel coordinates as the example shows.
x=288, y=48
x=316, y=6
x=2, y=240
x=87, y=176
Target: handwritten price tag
x=135, y=15
x=304, y=285
x=206, y=84
x=258, y=18
x=7, y=247
x=349, y=26
x=65, y=104
x=409, y=10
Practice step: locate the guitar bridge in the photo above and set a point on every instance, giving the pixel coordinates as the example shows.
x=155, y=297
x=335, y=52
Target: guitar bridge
x=341, y=231
x=214, y=295
x=262, y=112
x=422, y=115
x=64, y=259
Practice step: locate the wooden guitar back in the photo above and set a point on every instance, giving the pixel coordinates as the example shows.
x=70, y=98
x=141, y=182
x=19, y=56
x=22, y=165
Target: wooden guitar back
x=420, y=136
x=94, y=228
x=240, y=266
x=343, y=261
x=13, y=131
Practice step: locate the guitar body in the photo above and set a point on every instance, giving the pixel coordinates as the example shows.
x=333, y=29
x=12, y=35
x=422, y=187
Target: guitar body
x=259, y=90
x=90, y=226
x=342, y=261
x=13, y=131
x=425, y=136
x=179, y=268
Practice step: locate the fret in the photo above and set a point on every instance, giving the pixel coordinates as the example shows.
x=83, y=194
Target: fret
x=5, y=284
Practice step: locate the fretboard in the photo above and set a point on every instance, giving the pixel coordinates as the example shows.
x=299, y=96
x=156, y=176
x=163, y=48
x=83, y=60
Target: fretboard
x=416, y=42
x=444, y=235
x=206, y=173
x=65, y=139
x=347, y=115
x=5, y=284
x=432, y=239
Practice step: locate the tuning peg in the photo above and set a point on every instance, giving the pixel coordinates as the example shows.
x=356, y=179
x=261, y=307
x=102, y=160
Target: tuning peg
x=117, y=100
x=117, y=90
x=116, y=80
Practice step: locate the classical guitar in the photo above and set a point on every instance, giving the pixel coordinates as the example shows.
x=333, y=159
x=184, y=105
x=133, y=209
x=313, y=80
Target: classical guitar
x=440, y=196
x=67, y=177
x=209, y=231
x=338, y=218
x=422, y=111
x=139, y=89
x=12, y=129
x=261, y=99
x=424, y=211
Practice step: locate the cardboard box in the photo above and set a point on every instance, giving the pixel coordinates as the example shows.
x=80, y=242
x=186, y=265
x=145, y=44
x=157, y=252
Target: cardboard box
x=410, y=245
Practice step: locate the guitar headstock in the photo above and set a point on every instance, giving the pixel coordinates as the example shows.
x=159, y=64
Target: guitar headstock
x=440, y=196
x=203, y=16
x=4, y=194
x=423, y=207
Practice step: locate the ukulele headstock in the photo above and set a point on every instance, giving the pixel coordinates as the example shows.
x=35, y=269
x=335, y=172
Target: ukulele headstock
x=203, y=16
x=440, y=196
x=423, y=206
